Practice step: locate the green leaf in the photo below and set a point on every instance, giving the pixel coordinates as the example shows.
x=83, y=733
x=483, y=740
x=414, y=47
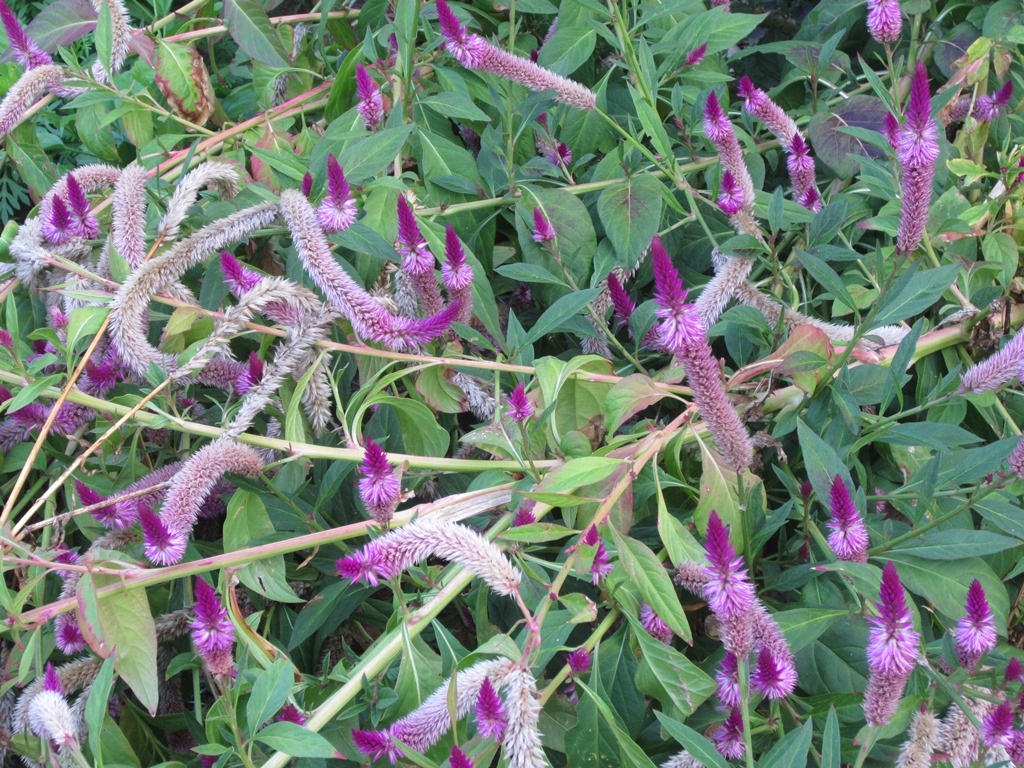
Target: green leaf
x=631, y=215
x=668, y=675
x=568, y=49
x=247, y=521
x=96, y=706
x=61, y=23
x=294, y=740
x=442, y=158
x=1004, y=515
x=578, y=473
x=529, y=273
x=694, y=742
x=339, y=100
x=538, y=532
x=421, y=433
x=648, y=575
x=828, y=278
x=822, y=462
x=34, y=167
x=575, y=239
x=791, y=750
x=957, y=544
x=556, y=315
x=453, y=105
x=628, y=397
x=27, y=395
x=629, y=751
x=84, y=322
x=363, y=156
x=104, y=37
x=914, y=292
x=269, y=692
x=802, y=626
x=999, y=248
x=250, y=27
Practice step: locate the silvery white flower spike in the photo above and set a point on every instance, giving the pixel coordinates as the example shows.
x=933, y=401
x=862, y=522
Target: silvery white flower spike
x=922, y=738
x=26, y=92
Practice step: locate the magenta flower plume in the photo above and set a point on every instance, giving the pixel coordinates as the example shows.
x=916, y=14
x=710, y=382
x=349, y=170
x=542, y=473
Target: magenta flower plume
x=416, y=256
x=988, y=108
x=997, y=726
x=473, y=52
x=730, y=196
x=892, y=650
x=524, y=515
x=160, y=545
x=458, y=759
x=543, y=232
x=1013, y=671
x=696, y=56
x=377, y=744
x=337, y=210
x=578, y=661
x=67, y=636
x=729, y=592
x=58, y=227
x=849, y=537
x=728, y=679
x=25, y=50
x=237, y=277
x=51, y=680
x=250, y=376
x=491, y=719
x=655, y=626
x=719, y=131
x=84, y=223
x=884, y=20
x=891, y=130
x=87, y=496
x=307, y=184
x=622, y=305
x=363, y=565
x=773, y=677
x=601, y=565
x=802, y=173
x=760, y=105
x=916, y=152
x=212, y=631
x=457, y=275
x=6, y=341
x=519, y=408
x=976, y=631
x=379, y=488
x=371, y=103
x=728, y=737
x=290, y=714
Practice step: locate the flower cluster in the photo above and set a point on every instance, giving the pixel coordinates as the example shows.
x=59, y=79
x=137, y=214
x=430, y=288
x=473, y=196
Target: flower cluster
x=917, y=150
x=892, y=650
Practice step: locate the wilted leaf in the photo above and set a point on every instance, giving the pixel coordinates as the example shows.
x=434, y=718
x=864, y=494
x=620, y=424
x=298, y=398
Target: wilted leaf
x=182, y=78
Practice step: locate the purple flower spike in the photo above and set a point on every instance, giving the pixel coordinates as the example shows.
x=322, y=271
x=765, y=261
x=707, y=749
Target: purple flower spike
x=728, y=737
x=466, y=48
x=773, y=678
x=307, y=184
x=6, y=341
x=728, y=679
x=491, y=718
x=988, y=108
x=161, y=546
x=884, y=20
x=87, y=496
x=51, y=680
x=58, y=229
x=524, y=515
x=654, y=625
x=457, y=275
x=997, y=726
x=84, y=223
x=371, y=103
x=892, y=650
x=377, y=744
x=458, y=759
x=543, y=232
x=250, y=376
x=716, y=123
x=416, y=256
x=916, y=152
x=290, y=714
x=730, y=197
x=519, y=408
x=67, y=636
x=363, y=565
x=601, y=565
x=849, y=537
x=891, y=129
x=622, y=305
x=25, y=50
x=696, y=56
x=729, y=592
x=578, y=661
x=976, y=632
x=337, y=211
x=212, y=629
x=237, y=277
x=1013, y=671
x=379, y=488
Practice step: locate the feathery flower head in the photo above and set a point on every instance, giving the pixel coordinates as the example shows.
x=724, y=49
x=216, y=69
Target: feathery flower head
x=67, y=635
x=729, y=592
x=622, y=305
x=458, y=759
x=892, y=647
x=519, y=408
x=106, y=515
x=379, y=488
x=85, y=223
x=416, y=256
x=6, y=341
x=728, y=737
x=543, y=232
x=251, y=375
x=997, y=726
x=161, y=546
x=307, y=184
x=491, y=719
x=810, y=199
x=25, y=50
x=371, y=103
x=456, y=272
x=57, y=228
x=696, y=56
x=578, y=661
x=730, y=196
x=365, y=564
x=237, y=277
x=988, y=108
x=681, y=325
x=290, y=714
x=716, y=123
x=975, y=632
x=212, y=630
x=891, y=129
x=918, y=143
x=524, y=515
x=51, y=680
x=773, y=677
x=50, y=718
x=337, y=210
x=601, y=565
x=468, y=49
x=1013, y=671
x=849, y=536
x=884, y=20
x=377, y=744
x=654, y=625
x=103, y=375
x=728, y=679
